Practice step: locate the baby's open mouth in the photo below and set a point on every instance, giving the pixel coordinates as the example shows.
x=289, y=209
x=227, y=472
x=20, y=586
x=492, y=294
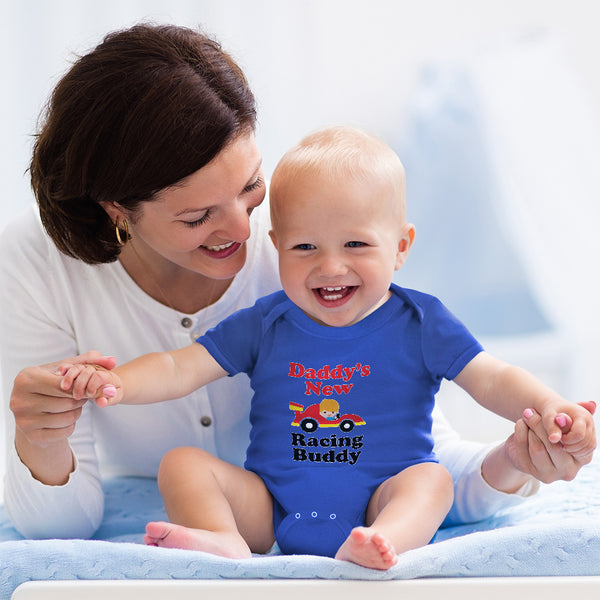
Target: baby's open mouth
x=331, y=294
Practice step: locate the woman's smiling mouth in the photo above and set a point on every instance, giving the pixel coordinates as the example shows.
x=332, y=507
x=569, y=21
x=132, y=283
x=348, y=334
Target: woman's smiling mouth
x=221, y=250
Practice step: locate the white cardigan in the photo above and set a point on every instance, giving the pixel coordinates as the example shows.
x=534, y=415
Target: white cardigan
x=54, y=307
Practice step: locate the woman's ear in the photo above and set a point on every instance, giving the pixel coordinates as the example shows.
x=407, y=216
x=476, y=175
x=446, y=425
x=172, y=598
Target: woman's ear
x=113, y=210
x=405, y=244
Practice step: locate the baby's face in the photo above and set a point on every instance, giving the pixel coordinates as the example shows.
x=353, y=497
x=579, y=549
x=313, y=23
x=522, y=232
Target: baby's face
x=339, y=243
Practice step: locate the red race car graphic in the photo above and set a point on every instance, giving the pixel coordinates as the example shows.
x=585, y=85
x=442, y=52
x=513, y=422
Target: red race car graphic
x=311, y=419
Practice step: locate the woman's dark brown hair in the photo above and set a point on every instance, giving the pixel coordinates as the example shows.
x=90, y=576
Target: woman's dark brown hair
x=147, y=107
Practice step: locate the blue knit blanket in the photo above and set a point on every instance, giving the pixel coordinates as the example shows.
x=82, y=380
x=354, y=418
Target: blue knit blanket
x=556, y=532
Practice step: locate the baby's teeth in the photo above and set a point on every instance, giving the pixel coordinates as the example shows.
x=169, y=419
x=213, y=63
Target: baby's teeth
x=332, y=295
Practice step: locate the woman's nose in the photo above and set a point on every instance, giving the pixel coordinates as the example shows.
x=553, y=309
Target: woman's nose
x=236, y=223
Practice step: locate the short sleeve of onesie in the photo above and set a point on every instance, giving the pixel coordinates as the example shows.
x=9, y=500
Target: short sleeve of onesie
x=447, y=345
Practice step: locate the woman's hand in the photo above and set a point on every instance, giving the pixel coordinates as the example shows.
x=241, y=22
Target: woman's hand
x=527, y=453
x=44, y=412
x=45, y=417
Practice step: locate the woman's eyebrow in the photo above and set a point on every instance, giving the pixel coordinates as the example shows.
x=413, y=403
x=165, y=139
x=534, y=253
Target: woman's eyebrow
x=255, y=172
x=186, y=211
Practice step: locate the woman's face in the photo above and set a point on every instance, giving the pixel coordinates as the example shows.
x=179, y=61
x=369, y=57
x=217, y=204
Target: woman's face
x=202, y=223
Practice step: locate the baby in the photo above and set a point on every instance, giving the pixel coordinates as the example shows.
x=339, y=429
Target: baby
x=361, y=483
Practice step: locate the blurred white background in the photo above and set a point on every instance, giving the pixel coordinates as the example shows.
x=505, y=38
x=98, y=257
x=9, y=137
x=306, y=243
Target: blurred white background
x=310, y=62
x=492, y=104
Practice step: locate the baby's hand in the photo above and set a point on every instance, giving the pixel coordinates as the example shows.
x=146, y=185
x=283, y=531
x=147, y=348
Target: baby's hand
x=572, y=427
x=90, y=381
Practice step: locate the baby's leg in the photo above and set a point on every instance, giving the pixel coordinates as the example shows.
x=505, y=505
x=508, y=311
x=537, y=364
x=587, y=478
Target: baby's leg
x=404, y=513
x=213, y=506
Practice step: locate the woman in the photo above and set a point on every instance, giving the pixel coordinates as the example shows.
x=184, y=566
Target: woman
x=149, y=187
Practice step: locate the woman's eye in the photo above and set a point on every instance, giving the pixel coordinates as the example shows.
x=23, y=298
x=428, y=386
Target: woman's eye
x=254, y=185
x=203, y=219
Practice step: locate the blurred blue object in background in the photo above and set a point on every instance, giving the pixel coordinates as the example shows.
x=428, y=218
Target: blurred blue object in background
x=460, y=253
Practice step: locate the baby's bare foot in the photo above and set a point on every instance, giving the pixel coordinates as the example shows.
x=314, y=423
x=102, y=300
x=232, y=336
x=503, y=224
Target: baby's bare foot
x=368, y=548
x=169, y=535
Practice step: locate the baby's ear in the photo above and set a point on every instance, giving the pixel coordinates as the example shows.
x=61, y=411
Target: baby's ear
x=273, y=238
x=404, y=245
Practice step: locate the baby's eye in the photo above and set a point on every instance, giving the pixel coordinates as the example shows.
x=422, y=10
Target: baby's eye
x=355, y=244
x=304, y=247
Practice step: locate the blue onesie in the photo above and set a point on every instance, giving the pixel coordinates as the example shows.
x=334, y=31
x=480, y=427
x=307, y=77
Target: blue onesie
x=337, y=410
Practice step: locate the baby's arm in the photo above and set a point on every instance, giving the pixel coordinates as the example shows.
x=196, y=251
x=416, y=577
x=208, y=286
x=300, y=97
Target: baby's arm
x=150, y=378
x=509, y=391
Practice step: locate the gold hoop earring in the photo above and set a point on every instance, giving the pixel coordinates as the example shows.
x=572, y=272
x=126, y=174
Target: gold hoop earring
x=120, y=240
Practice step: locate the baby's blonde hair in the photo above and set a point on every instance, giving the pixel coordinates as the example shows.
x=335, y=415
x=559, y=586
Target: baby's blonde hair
x=340, y=151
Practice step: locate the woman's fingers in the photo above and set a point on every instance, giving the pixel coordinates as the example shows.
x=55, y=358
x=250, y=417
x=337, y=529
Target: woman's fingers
x=43, y=427
x=95, y=358
x=530, y=453
x=589, y=405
